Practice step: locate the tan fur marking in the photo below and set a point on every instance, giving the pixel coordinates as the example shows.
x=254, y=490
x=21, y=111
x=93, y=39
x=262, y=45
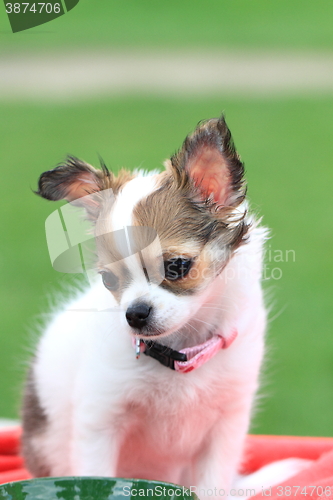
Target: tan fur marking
x=122, y=178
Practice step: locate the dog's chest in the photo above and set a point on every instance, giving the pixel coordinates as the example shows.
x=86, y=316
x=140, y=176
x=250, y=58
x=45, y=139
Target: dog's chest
x=161, y=439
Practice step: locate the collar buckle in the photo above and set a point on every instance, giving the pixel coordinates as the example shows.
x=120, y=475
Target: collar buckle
x=165, y=355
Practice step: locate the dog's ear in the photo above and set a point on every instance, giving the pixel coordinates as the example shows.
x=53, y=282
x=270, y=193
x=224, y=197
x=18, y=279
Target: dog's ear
x=208, y=160
x=72, y=180
x=77, y=182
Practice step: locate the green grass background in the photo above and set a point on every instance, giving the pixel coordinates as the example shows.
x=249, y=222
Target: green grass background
x=286, y=144
x=260, y=24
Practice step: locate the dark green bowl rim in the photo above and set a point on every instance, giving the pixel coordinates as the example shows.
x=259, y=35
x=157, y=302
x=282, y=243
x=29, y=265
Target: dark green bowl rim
x=131, y=482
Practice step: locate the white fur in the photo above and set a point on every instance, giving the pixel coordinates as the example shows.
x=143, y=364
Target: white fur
x=133, y=191
x=268, y=476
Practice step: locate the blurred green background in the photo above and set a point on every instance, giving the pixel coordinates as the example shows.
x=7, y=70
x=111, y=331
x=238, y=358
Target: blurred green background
x=285, y=141
x=190, y=23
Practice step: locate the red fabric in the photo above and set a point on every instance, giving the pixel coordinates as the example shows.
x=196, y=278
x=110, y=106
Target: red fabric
x=314, y=482
x=262, y=450
x=11, y=463
x=14, y=475
x=259, y=451
x=8, y=462
x=10, y=440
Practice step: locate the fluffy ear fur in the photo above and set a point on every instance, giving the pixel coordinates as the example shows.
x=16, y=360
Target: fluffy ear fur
x=208, y=160
x=73, y=180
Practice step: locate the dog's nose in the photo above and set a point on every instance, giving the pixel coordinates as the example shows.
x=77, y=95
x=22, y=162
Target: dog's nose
x=137, y=315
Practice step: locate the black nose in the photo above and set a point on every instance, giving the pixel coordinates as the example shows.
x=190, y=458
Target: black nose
x=137, y=315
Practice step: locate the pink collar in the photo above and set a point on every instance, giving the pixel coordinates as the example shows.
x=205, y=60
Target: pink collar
x=187, y=359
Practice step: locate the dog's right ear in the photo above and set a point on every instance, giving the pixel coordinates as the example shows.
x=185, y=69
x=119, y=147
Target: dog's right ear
x=72, y=180
x=209, y=161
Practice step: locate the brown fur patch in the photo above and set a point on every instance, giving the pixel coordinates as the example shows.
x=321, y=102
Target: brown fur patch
x=120, y=180
x=180, y=218
x=174, y=214
x=34, y=422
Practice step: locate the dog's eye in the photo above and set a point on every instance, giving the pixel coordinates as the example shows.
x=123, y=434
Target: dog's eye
x=110, y=280
x=176, y=268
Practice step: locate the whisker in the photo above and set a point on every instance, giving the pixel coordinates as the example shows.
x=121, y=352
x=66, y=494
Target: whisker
x=215, y=308
x=204, y=322
x=192, y=326
x=270, y=320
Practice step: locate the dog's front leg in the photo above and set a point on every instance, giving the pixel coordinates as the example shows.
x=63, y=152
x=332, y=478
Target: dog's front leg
x=95, y=446
x=219, y=462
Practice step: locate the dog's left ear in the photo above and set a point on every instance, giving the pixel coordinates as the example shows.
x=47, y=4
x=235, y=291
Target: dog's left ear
x=72, y=180
x=209, y=160
x=77, y=182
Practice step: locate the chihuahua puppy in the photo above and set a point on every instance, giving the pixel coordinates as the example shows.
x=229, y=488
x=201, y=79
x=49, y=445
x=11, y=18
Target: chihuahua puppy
x=187, y=296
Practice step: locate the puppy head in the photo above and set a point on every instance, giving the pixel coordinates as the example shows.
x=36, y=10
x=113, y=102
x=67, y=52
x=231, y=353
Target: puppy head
x=162, y=239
